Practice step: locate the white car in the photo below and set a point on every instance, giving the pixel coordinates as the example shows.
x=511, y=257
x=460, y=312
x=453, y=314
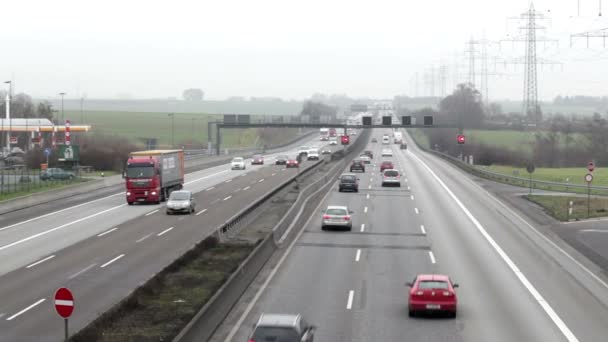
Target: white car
x=385, y=140
x=238, y=163
x=387, y=152
x=313, y=155
x=333, y=141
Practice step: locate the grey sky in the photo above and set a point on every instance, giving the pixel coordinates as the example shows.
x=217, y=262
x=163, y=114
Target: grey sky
x=289, y=49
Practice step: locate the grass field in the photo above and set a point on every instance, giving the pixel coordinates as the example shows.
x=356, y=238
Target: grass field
x=572, y=175
x=514, y=140
x=187, y=128
x=557, y=206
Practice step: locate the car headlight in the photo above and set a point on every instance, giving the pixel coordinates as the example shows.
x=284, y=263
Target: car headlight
x=128, y=193
x=153, y=193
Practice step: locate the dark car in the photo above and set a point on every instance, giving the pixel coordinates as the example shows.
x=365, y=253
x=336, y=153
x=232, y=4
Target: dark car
x=257, y=159
x=282, y=328
x=281, y=160
x=368, y=153
x=386, y=165
x=357, y=165
x=403, y=146
x=374, y=140
x=348, y=181
x=56, y=173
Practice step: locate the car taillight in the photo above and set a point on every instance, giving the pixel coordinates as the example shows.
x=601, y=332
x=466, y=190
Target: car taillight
x=419, y=293
x=326, y=217
x=250, y=340
x=447, y=293
x=346, y=218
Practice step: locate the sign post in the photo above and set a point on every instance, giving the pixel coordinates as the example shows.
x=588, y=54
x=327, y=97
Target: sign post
x=588, y=179
x=64, y=305
x=47, y=152
x=530, y=168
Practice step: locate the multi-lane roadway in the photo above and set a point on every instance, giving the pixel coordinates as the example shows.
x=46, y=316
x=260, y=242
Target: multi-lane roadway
x=515, y=283
x=103, y=249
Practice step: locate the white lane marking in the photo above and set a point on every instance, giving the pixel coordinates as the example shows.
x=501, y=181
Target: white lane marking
x=165, y=231
x=25, y=310
x=594, y=231
x=412, y=197
x=152, y=212
x=246, y=188
x=107, y=232
x=261, y=290
x=349, y=303
x=367, y=196
x=200, y=212
x=209, y=189
x=406, y=180
x=370, y=186
x=40, y=261
x=358, y=255
x=365, y=210
x=227, y=198
x=423, y=230
x=274, y=174
x=244, y=174
x=261, y=180
x=416, y=210
x=284, y=169
x=432, y=256
x=362, y=226
x=64, y=302
x=371, y=179
x=143, y=238
x=31, y=237
x=111, y=261
x=228, y=181
x=522, y=278
x=408, y=187
x=81, y=271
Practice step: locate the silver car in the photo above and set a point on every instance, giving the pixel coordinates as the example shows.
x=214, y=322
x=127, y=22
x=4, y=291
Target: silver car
x=181, y=201
x=337, y=216
x=391, y=177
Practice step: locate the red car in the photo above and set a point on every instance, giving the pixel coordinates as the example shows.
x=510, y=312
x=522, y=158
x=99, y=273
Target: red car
x=257, y=160
x=432, y=293
x=291, y=163
x=386, y=165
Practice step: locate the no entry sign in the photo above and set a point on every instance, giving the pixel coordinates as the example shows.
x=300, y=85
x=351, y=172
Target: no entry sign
x=64, y=302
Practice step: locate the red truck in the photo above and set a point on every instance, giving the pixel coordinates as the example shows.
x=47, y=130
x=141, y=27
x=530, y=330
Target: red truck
x=151, y=175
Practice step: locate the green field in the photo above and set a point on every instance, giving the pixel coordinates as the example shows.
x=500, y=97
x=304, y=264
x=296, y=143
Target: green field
x=514, y=140
x=572, y=175
x=188, y=128
x=557, y=206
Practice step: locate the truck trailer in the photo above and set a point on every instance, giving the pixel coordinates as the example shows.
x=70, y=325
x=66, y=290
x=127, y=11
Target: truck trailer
x=152, y=175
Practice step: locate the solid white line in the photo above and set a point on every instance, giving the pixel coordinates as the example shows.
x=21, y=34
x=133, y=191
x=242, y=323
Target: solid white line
x=367, y=196
x=423, y=230
x=107, y=232
x=246, y=188
x=18, y=242
x=594, y=231
x=365, y=210
x=416, y=210
x=522, y=278
x=261, y=180
x=200, y=212
x=25, y=310
x=152, y=212
x=165, y=231
x=143, y=238
x=412, y=197
x=64, y=302
x=81, y=271
x=228, y=181
x=227, y=198
x=111, y=261
x=362, y=226
x=358, y=255
x=432, y=256
x=40, y=261
x=258, y=294
x=209, y=189
x=349, y=303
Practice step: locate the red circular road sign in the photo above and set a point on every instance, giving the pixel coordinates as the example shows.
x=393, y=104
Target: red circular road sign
x=591, y=166
x=64, y=302
x=460, y=138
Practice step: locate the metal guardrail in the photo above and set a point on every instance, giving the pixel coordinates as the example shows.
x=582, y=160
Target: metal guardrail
x=519, y=181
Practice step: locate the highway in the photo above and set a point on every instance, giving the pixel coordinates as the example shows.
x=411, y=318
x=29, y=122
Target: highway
x=515, y=284
x=103, y=249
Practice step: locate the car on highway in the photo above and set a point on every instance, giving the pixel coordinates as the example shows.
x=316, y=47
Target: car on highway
x=386, y=140
x=348, y=181
x=387, y=152
x=368, y=153
x=333, y=140
x=303, y=150
x=337, y=216
x=365, y=158
x=281, y=160
x=374, y=140
x=386, y=165
x=432, y=293
x=257, y=159
x=54, y=173
x=181, y=201
x=325, y=151
x=391, y=177
x=313, y=155
x=403, y=146
x=292, y=163
x=282, y=328
x=357, y=165
x=238, y=163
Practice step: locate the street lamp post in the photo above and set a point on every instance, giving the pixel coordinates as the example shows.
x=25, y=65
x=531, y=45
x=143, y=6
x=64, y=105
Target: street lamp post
x=172, y=115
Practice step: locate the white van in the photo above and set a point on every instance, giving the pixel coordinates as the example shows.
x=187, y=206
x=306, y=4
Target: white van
x=385, y=140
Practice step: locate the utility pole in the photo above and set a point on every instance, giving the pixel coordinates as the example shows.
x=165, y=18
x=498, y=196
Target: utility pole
x=62, y=113
x=471, y=53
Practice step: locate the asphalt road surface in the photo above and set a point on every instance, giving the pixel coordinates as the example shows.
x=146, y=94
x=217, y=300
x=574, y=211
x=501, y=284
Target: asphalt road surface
x=103, y=249
x=515, y=284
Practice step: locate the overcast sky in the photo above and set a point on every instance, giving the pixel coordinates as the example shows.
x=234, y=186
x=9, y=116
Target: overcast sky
x=284, y=48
